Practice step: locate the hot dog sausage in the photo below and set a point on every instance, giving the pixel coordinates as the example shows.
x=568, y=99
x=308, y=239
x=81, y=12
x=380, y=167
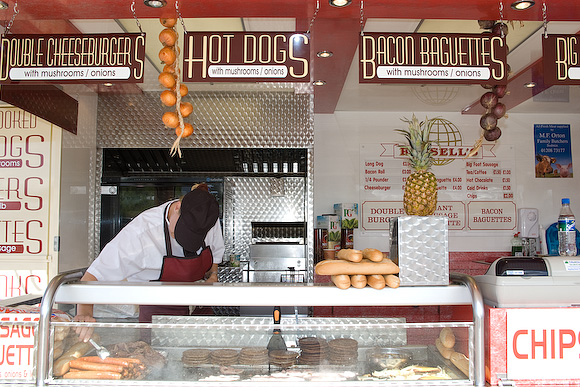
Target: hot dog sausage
x=92, y=375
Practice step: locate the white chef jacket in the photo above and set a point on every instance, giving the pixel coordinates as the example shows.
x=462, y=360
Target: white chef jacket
x=136, y=253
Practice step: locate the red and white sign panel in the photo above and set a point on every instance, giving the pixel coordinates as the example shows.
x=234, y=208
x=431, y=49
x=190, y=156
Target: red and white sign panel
x=543, y=344
x=17, y=346
x=25, y=148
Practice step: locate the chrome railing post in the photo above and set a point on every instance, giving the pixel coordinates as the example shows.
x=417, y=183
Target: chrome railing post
x=43, y=333
x=478, y=323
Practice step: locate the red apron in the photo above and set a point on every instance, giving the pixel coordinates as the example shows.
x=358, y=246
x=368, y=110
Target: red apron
x=177, y=269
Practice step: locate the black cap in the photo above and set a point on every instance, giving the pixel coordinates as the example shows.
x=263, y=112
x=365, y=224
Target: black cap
x=199, y=212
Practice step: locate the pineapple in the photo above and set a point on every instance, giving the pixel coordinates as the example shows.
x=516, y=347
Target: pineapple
x=420, y=197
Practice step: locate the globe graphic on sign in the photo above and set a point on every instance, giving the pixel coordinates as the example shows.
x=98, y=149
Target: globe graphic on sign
x=435, y=94
x=444, y=133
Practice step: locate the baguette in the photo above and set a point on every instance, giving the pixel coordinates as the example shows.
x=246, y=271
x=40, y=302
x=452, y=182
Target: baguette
x=334, y=267
x=351, y=255
x=342, y=281
x=392, y=281
x=61, y=365
x=460, y=361
x=358, y=281
x=373, y=255
x=447, y=337
x=376, y=281
x=443, y=350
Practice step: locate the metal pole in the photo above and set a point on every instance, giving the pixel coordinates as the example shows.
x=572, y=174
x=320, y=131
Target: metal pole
x=43, y=345
x=478, y=321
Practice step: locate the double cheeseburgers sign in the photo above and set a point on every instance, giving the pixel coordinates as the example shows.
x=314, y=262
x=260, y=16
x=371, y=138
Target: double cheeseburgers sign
x=72, y=58
x=432, y=58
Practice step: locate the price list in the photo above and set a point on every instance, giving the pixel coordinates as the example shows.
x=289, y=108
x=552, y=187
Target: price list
x=475, y=193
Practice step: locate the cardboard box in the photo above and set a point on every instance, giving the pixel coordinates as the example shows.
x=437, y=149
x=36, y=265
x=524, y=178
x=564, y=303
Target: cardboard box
x=331, y=223
x=347, y=215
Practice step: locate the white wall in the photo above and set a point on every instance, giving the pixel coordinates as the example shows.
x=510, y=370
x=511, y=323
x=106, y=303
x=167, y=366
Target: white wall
x=336, y=167
x=78, y=189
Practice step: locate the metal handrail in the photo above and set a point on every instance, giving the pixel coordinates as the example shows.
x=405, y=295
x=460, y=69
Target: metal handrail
x=478, y=324
x=43, y=336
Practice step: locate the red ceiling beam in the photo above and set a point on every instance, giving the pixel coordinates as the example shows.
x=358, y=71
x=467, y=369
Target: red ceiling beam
x=339, y=36
x=561, y=10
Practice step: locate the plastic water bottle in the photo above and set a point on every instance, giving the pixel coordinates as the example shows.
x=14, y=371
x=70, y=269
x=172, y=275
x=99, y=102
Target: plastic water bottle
x=566, y=230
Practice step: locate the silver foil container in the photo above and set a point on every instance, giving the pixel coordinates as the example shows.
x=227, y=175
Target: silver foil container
x=419, y=245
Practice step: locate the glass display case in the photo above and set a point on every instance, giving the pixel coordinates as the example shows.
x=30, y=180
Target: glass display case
x=244, y=351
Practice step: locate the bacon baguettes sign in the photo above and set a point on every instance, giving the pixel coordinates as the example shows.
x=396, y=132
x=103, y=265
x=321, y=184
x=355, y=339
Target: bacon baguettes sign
x=432, y=58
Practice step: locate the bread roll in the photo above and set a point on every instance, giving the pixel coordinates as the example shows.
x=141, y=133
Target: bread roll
x=327, y=267
x=376, y=281
x=460, y=361
x=351, y=255
x=392, y=281
x=373, y=255
x=358, y=281
x=342, y=281
x=443, y=350
x=447, y=337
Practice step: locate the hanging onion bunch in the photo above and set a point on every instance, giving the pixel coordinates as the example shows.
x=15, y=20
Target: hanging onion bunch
x=170, y=79
x=490, y=100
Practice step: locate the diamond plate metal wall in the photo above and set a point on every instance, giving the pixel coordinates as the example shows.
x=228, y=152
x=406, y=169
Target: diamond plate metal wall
x=242, y=119
x=249, y=199
x=266, y=115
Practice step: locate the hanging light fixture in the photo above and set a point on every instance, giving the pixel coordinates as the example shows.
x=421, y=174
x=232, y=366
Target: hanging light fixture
x=319, y=83
x=339, y=3
x=155, y=3
x=324, y=54
x=520, y=5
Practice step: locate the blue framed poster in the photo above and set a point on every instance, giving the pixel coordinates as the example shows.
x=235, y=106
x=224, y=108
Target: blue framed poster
x=553, y=149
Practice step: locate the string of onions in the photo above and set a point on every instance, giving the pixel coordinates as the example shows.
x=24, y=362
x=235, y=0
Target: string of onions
x=170, y=77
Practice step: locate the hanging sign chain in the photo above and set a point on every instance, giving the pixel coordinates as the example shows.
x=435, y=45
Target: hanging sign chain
x=314, y=16
x=175, y=148
x=501, y=18
x=135, y=16
x=545, y=19
x=362, y=13
x=9, y=25
x=180, y=17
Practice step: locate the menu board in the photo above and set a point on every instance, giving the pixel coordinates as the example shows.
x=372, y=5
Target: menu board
x=474, y=193
x=29, y=166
